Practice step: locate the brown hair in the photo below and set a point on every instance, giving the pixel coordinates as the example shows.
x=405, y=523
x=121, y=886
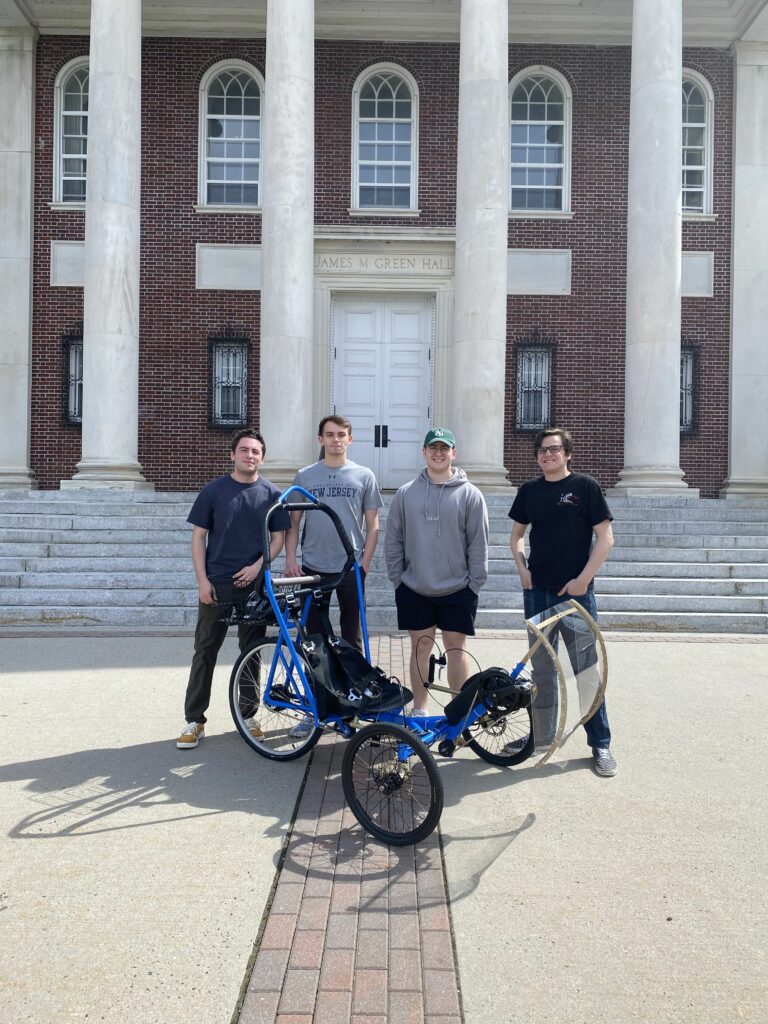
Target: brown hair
x=249, y=432
x=564, y=435
x=340, y=421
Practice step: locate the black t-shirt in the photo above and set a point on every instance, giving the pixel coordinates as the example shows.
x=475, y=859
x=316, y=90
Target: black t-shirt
x=562, y=514
x=233, y=514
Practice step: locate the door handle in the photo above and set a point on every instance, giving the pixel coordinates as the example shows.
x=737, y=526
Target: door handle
x=384, y=436
x=377, y=436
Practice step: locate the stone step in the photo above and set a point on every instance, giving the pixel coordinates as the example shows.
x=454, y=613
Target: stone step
x=78, y=599
x=167, y=581
x=683, y=586
x=101, y=497
x=76, y=564
x=63, y=615
x=108, y=558
x=752, y=604
x=667, y=622
x=105, y=542
x=665, y=554
x=386, y=619
x=378, y=587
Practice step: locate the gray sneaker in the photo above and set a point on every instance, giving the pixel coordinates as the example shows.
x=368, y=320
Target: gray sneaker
x=604, y=762
x=302, y=729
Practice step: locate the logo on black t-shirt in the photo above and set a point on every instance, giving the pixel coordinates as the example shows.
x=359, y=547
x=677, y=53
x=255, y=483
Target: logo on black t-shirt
x=569, y=498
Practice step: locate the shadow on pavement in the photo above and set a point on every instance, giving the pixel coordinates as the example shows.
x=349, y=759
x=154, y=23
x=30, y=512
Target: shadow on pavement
x=107, y=789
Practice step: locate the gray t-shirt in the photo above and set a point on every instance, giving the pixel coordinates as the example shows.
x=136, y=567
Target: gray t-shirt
x=350, y=490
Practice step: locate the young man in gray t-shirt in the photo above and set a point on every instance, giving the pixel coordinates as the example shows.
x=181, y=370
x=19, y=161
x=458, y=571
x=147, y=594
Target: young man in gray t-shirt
x=353, y=494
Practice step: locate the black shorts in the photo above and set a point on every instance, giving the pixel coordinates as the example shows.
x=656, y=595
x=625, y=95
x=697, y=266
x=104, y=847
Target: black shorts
x=453, y=612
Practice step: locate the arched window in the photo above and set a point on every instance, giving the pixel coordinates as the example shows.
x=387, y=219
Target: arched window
x=698, y=104
x=540, y=141
x=230, y=135
x=385, y=105
x=71, y=132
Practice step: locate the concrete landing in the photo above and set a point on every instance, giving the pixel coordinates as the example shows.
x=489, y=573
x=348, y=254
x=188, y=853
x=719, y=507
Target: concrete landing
x=136, y=878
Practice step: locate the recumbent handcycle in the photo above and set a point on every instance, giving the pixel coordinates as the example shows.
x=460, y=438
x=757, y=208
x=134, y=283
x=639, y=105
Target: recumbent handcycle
x=291, y=687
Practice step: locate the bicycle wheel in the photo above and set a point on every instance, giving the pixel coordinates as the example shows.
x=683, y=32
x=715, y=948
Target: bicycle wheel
x=392, y=784
x=279, y=733
x=502, y=740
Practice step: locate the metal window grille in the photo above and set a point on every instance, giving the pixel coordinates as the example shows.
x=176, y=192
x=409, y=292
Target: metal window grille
x=694, y=148
x=233, y=140
x=537, y=136
x=534, y=387
x=229, y=381
x=687, y=390
x=74, y=136
x=73, y=380
x=385, y=143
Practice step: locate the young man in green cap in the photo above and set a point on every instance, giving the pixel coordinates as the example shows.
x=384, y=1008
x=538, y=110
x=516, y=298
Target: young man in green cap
x=436, y=550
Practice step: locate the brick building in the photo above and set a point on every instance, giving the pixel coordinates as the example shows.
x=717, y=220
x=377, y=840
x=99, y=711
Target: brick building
x=488, y=214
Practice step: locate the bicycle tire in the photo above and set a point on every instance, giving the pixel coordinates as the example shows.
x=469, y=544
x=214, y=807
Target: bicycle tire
x=397, y=801
x=247, y=686
x=489, y=735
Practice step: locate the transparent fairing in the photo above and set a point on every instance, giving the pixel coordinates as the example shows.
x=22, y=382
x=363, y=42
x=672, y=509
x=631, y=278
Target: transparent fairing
x=567, y=664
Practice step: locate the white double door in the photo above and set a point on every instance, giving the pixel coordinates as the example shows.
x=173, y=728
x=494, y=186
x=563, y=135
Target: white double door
x=382, y=358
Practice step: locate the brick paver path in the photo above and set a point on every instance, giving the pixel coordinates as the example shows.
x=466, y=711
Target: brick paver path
x=357, y=931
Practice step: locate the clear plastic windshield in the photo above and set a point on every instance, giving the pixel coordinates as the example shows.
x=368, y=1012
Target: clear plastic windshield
x=567, y=663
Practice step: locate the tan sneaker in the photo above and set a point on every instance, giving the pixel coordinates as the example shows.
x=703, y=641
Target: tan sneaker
x=191, y=735
x=253, y=728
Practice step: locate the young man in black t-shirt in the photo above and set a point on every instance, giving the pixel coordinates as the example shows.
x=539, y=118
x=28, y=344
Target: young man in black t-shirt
x=227, y=548
x=564, y=510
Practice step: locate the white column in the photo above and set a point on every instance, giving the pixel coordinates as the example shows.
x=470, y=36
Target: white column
x=111, y=293
x=748, y=458
x=287, y=239
x=654, y=261
x=17, y=54
x=482, y=211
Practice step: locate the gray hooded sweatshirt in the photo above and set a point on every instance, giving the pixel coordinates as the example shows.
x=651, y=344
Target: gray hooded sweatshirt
x=436, y=538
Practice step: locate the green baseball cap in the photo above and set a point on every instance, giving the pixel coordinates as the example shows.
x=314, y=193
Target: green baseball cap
x=441, y=435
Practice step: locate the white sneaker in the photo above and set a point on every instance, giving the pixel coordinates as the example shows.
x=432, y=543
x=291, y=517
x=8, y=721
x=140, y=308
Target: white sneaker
x=191, y=735
x=253, y=728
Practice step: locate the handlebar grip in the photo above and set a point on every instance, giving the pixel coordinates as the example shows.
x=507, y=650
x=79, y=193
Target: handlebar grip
x=297, y=581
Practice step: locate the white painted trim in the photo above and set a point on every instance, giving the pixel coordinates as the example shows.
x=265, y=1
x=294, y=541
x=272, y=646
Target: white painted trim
x=362, y=78
x=709, y=142
x=58, y=88
x=556, y=76
x=540, y=215
x=346, y=281
x=222, y=208
x=205, y=81
x=382, y=211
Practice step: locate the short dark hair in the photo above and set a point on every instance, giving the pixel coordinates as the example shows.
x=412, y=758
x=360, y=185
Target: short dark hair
x=249, y=432
x=564, y=435
x=340, y=421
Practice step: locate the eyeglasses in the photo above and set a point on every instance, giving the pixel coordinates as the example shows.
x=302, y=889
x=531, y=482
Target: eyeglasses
x=553, y=449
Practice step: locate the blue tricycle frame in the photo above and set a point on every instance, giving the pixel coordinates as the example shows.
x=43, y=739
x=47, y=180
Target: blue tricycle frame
x=289, y=688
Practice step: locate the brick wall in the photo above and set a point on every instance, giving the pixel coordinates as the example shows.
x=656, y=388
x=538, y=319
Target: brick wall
x=178, y=449
x=587, y=328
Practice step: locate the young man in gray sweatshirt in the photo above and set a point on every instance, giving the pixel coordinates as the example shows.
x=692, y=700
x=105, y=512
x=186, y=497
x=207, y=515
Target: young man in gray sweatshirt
x=436, y=549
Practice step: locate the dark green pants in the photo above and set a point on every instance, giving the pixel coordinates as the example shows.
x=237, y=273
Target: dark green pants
x=209, y=636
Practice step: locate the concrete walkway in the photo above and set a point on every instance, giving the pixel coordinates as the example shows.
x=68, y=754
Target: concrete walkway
x=142, y=883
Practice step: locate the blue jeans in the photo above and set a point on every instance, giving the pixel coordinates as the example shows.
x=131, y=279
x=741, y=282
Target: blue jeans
x=537, y=600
